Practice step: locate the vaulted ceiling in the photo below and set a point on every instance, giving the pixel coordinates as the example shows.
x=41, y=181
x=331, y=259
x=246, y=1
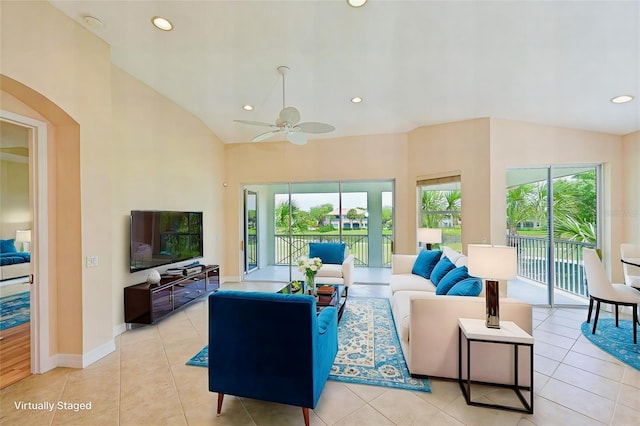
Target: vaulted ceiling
x=413, y=63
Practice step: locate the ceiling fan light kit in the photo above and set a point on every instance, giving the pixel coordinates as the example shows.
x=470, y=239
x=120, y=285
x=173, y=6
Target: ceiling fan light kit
x=288, y=121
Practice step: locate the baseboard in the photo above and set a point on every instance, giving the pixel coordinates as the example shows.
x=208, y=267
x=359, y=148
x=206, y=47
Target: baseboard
x=82, y=361
x=98, y=353
x=67, y=360
x=119, y=329
x=228, y=279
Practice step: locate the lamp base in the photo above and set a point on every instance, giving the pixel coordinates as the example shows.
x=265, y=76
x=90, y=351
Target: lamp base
x=493, y=307
x=428, y=246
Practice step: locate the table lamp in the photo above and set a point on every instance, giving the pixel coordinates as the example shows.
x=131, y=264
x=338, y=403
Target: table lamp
x=430, y=236
x=24, y=237
x=492, y=263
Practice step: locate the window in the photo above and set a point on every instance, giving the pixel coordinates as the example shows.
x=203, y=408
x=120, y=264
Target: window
x=439, y=201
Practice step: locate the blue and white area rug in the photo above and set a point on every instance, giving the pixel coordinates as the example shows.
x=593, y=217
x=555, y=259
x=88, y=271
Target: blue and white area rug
x=616, y=341
x=14, y=310
x=369, y=351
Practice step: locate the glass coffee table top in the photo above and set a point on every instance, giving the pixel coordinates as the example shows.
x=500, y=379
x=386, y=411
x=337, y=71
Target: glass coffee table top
x=263, y=286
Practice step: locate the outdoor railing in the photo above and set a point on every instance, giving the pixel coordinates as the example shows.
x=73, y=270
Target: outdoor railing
x=387, y=249
x=568, y=269
x=299, y=246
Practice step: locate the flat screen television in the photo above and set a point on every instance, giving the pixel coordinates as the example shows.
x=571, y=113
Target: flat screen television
x=164, y=237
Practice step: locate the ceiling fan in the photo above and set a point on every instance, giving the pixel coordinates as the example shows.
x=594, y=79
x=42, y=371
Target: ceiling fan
x=288, y=122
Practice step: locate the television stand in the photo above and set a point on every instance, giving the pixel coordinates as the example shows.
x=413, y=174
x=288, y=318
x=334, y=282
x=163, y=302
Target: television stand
x=146, y=303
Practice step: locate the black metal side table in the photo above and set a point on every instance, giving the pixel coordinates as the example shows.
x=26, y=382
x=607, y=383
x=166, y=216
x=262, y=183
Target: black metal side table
x=509, y=333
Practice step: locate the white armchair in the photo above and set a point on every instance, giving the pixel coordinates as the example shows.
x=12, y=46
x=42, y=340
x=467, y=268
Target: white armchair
x=337, y=273
x=332, y=271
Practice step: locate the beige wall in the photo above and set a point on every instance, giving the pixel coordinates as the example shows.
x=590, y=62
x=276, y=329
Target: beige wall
x=354, y=158
x=14, y=195
x=448, y=149
x=77, y=80
x=631, y=188
x=114, y=145
x=164, y=159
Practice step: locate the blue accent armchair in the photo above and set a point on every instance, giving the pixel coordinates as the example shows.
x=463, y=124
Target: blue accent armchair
x=270, y=346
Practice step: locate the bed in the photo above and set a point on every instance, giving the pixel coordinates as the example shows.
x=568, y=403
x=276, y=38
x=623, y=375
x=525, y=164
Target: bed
x=13, y=263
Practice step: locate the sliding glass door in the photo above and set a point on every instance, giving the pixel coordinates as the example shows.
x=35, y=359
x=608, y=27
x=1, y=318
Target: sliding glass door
x=250, y=231
x=552, y=214
x=359, y=213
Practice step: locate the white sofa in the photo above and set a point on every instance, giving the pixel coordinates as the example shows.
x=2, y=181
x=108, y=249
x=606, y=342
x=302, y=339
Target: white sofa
x=427, y=326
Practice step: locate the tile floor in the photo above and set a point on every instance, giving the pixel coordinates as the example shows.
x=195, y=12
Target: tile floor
x=146, y=382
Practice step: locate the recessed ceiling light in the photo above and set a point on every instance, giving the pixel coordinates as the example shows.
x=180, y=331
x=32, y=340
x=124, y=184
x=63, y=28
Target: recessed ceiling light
x=162, y=23
x=356, y=3
x=356, y=100
x=622, y=99
x=247, y=107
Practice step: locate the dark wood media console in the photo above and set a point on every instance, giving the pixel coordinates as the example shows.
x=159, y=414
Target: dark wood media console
x=146, y=303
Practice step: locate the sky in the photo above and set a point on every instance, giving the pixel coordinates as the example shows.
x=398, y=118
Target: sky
x=349, y=199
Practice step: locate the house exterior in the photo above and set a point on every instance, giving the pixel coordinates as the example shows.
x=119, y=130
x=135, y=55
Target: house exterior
x=338, y=216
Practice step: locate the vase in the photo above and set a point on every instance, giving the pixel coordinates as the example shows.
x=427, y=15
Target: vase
x=153, y=277
x=311, y=284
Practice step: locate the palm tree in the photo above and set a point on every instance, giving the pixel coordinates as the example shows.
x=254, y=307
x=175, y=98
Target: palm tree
x=282, y=218
x=431, y=201
x=520, y=206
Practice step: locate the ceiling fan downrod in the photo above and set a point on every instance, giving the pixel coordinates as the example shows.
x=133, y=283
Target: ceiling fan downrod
x=283, y=70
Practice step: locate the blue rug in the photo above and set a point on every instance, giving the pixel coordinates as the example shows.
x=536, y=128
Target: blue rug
x=369, y=351
x=14, y=310
x=618, y=342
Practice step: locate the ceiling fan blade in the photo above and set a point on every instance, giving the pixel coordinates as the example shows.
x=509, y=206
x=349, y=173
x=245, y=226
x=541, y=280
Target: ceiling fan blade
x=255, y=123
x=296, y=138
x=264, y=136
x=290, y=115
x=312, y=127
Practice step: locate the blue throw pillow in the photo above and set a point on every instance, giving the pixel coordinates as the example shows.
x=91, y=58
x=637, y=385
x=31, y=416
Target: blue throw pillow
x=467, y=287
x=443, y=266
x=425, y=262
x=7, y=246
x=328, y=252
x=452, y=277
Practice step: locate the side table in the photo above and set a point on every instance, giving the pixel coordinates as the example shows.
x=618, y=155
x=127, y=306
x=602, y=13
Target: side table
x=509, y=333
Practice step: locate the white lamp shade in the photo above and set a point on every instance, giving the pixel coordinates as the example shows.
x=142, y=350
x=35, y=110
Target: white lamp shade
x=492, y=262
x=23, y=236
x=430, y=235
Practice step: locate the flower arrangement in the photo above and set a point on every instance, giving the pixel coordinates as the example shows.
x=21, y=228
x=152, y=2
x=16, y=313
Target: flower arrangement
x=309, y=267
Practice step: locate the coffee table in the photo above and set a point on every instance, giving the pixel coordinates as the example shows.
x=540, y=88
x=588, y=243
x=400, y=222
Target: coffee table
x=339, y=302
x=263, y=286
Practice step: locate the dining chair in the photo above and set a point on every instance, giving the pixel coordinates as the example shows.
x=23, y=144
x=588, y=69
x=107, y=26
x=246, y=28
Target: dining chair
x=601, y=290
x=631, y=272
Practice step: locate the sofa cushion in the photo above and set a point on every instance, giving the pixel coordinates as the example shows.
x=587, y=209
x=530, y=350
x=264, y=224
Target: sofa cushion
x=328, y=252
x=425, y=262
x=443, y=266
x=455, y=257
x=403, y=282
x=468, y=287
x=330, y=270
x=451, y=278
